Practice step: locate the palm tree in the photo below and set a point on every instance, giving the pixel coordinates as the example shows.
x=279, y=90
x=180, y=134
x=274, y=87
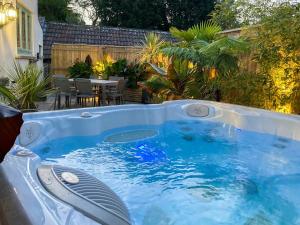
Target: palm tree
x=204, y=46
x=28, y=86
x=151, y=50
x=200, y=53
x=180, y=80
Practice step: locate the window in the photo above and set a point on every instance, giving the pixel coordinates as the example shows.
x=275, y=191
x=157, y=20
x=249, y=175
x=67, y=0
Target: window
x=24, y=31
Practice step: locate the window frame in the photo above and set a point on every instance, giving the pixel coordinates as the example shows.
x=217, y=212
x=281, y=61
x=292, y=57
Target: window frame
x=27, y=49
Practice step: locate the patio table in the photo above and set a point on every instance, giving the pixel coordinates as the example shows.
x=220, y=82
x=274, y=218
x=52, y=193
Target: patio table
x=103, y=84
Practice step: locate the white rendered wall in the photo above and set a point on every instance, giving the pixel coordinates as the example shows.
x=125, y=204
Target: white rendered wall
x=8, y=39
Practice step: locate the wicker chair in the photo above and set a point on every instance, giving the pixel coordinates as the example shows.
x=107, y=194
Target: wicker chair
x=116, y=92
x=85, y=91
x=63, y=88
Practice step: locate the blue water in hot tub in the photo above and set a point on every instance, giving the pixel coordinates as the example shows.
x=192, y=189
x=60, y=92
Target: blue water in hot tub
x=191, y=173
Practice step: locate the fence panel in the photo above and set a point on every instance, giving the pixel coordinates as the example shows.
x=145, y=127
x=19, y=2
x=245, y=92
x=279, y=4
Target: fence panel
x=65, y=55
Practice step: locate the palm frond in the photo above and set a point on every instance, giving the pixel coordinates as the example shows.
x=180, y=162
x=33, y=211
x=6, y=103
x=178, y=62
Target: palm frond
x=206, y=30
x=225, y=44
x=226, y=63
x=188, y=54
x=198, y=44
x=158, y=70
x=150, y=47
x=157, y=83
x=28, y=86
x=7, y=96
x=182, y=35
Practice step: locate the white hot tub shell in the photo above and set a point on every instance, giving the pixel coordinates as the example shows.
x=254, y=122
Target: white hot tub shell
x=20, y=165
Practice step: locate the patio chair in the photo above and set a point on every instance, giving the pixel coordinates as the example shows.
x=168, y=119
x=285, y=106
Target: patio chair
x=63, y=87
x=116, y=92
x=85, y=91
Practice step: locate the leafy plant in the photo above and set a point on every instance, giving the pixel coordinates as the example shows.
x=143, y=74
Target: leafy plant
x=181, y=80
x=99, y=69
x=28, y=86
x=208, y=50
x=151, y=47
x=194, y=61
x=80, y=70
x=206, y=31
x=118, y=68
x=245, y=88
x=276, y=45
x=135, y=73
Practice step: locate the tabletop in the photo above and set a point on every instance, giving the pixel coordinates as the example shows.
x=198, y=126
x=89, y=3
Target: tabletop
x=98, y=81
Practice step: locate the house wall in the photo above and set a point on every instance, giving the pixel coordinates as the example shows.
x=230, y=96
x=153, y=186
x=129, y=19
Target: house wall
x=8, y=40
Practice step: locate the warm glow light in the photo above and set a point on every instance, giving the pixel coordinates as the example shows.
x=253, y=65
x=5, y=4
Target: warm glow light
x=190, y=65
x=285, y=87
x=109, y=59
x=7, y=12
x=2, y=18
x=11, y=13
x=212, y=73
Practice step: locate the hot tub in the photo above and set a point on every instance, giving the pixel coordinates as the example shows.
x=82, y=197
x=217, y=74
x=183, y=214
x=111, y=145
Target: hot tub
x=181, y=162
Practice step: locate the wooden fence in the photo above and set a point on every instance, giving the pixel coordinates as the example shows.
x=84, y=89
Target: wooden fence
x=65, y=55
x=246, y=61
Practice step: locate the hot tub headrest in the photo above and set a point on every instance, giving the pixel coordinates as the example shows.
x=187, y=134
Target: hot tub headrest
x=85, y=193
x=10, y=125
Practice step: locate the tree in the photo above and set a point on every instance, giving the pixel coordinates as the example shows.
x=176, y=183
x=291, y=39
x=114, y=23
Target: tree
x=58, y=11
x=225, y=14
x=238, y=13
x=90, y=8
x=206, y=48
x=186, y=13
x=127, y=13
x=198, y=56
x=145, y=14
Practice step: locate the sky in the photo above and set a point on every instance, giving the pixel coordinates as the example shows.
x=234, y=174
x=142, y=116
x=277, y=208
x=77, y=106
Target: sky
x=84, y=13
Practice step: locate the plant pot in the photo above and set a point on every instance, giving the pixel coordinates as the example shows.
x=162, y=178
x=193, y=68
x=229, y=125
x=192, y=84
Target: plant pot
x=133, y=95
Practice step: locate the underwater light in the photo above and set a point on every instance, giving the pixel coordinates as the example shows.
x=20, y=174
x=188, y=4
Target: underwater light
x=147, y=153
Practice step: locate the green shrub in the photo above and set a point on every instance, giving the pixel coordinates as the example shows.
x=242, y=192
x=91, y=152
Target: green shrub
x=133, y=72
x=80, y=70
x=249, y=89
x=277, y=52
x=117, y=68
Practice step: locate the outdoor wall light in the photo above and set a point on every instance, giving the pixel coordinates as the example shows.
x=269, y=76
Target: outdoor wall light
x=8, y=12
